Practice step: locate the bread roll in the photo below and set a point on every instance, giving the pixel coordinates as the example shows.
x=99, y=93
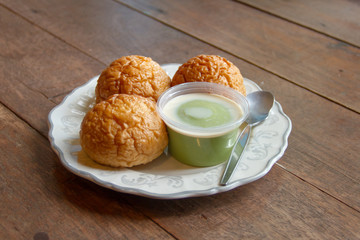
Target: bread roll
x=210, y=68
x=132, y=75
x=123, y=131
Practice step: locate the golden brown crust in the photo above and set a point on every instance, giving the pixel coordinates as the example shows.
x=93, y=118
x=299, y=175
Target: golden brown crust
x=123, y=131
x=132, y=75
x=210, y=68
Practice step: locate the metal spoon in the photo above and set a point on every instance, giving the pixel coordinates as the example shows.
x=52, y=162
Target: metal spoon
x=260, y=103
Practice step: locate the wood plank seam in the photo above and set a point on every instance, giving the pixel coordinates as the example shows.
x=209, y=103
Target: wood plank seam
x=51, y=34
x=296, y=23
x=151, y=219
x=313, y=185
x=232, y=54
x=22, y=119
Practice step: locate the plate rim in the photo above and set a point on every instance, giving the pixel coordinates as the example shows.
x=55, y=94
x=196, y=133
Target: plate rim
x=178, y=195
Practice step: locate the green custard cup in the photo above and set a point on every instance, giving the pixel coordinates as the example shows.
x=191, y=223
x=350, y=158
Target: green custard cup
x=199, y=146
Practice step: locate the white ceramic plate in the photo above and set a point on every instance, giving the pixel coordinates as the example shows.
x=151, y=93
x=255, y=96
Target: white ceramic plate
x=164, y=178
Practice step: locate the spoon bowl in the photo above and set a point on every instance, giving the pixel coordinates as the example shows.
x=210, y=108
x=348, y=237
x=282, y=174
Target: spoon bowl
x=260, y=104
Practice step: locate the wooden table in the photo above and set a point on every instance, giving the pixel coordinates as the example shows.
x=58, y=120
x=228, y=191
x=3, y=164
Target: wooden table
x=307, y=53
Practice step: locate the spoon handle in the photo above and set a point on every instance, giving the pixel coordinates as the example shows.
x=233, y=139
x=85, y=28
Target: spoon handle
x=237, y=151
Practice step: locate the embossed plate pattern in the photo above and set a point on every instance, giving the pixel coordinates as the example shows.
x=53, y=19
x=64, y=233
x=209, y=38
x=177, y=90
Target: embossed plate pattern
x=164, y=178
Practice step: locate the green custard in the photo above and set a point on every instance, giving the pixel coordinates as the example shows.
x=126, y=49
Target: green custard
x=202, y=113
x=192, y=145
x=201, y=152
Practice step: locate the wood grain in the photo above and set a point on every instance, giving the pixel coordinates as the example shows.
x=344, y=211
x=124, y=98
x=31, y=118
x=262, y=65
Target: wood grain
x=35, y=66
x=41, y=61
x=104, y=30
x=278, y=206
x=40, y=197
x=316, y=120
x=336, y=18
x=312, y=193
x=326, y=66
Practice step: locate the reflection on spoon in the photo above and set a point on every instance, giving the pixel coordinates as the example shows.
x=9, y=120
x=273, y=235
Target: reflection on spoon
x=260, y=103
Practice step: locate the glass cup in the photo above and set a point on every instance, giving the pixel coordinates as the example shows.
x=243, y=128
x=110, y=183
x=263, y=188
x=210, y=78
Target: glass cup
x=202, y=146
